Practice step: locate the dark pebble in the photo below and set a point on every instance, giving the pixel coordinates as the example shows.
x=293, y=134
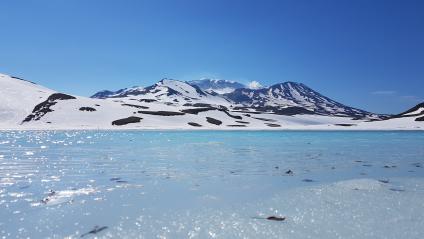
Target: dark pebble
x=95, y=230
x=387, y=166
x=417, y=165
x=121, y=181
x=275, y=218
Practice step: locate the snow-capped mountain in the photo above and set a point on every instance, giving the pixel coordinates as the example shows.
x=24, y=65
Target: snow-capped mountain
x=171, y=92
x=109, y=94
x=284, y=98
x=216, y=85
x=292, y=94
x=172, y=104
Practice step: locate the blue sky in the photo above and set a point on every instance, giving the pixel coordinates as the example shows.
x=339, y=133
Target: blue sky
x=364, y=53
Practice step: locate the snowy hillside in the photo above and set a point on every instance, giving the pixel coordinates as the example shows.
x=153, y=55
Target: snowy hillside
x=17, y=98
x=172, y=104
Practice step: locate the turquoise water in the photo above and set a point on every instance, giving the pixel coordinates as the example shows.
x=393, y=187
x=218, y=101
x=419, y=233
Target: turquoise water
x=208, y=184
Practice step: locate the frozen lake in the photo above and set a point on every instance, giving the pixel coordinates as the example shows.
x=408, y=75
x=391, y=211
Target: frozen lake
x=204, y=184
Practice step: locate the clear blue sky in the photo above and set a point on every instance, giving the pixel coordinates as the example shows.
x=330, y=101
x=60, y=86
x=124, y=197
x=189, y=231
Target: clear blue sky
x=364, y=53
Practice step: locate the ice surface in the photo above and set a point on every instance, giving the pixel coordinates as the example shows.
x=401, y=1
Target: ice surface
x=208, y=184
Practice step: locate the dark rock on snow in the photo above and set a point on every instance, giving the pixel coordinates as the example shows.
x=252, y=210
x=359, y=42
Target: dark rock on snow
x=44, y=107
x=89, y=109
x=194, y=124
x=213, y=121
x=128, y=120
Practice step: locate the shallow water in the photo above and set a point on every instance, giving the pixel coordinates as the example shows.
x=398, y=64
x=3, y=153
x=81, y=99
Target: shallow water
x=153, y=184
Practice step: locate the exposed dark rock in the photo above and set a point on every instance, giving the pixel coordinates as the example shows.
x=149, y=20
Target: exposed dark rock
x=232, y=116
x=292, y=111
x=420, y=118
x=236, y=125
x=345, y=125
x=272, y=125
x=198, y=105
x=242, y=122
x=213, y=121
x=128, y=120
x=60, y=96
x=194, y=124
x=161, y=113
x=89, y=109
x=14, y=77
x=136, y=106
x=264, y=119
x=44, y=107
x=197, y=110
x=147, y=100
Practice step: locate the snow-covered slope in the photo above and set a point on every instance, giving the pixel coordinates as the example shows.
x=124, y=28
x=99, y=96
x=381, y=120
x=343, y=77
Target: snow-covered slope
x=17, y=99
x=216, y=85
x=172, y=104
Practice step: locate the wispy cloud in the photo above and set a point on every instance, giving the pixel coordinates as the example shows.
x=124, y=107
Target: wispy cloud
x=384, y=92
x=412, y=98
x=254, y=85
x=398, y=96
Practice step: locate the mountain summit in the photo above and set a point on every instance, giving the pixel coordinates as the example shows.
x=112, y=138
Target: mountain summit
x=216, y=85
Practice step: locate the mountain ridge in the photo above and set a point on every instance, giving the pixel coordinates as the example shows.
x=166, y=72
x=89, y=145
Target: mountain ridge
x=174, y=104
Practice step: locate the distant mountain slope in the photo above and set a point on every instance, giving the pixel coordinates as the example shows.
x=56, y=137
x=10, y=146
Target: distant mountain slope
x=218, y=86
x=292, y=94
x=109, y=94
